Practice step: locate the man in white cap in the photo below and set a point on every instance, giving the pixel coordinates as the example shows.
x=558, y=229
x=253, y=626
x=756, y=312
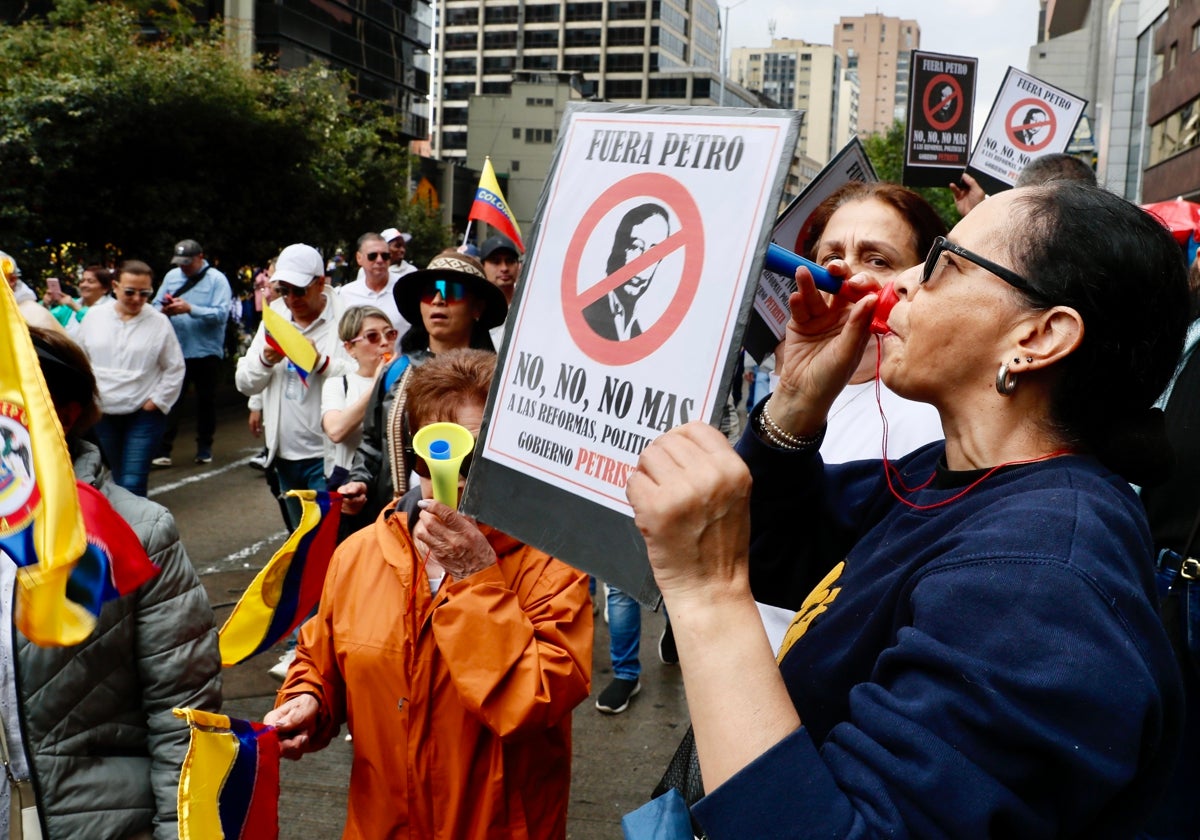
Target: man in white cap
x=375, y=281
x=195, y=296
x=291, y=404
x=397, y=242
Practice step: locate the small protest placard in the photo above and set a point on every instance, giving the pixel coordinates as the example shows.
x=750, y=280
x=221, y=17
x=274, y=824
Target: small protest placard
x=941, y=98
x=770, y=316
x=627, y=321
x=1029, y=118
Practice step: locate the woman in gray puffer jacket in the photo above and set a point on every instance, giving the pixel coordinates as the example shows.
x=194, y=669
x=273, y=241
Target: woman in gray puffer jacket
x=95, y=719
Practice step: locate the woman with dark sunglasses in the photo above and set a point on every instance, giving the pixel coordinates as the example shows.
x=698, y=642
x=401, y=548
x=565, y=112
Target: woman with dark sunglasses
x=983, y=657
x=139, y=370
x=454, y=653
x=451, y=306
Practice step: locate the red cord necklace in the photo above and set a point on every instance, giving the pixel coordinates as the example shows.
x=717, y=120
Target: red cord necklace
x=893, y=475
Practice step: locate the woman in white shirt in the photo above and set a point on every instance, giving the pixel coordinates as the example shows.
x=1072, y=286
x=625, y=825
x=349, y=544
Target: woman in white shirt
x=139, y=374
x=368, y=336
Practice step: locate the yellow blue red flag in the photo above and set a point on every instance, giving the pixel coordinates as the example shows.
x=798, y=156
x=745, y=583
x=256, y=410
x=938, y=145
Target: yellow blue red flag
x=229, y=786
x=41, y=526
x=286, y=340
x=288, y=588
x=490, y=206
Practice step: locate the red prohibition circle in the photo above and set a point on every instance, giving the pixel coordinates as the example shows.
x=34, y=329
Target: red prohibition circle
x=932, y=107
x=690, y=237
x=1012, y=130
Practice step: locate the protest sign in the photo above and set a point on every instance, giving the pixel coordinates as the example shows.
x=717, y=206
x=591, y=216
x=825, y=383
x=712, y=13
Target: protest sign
x=941, y=97
x=627, y=321
x=1029, y=118
x=770, y=315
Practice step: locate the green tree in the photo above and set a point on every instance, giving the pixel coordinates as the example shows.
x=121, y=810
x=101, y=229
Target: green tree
x=121, y=147
x=886, y=152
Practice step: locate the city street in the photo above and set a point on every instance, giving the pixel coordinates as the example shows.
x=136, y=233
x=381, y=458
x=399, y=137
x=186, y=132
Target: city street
x=231, y=525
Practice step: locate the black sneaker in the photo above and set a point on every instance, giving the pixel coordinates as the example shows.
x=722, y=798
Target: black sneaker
x=667, y=654
x=204, y=456
x=615, y=699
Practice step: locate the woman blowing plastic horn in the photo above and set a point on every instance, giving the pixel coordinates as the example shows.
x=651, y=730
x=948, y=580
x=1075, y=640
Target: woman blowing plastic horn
x=983, y=657
x=454, y=653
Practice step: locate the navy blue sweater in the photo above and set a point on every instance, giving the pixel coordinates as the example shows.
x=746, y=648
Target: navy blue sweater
x=991, y=668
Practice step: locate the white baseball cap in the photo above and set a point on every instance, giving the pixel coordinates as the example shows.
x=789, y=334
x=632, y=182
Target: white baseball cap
x=391, y=233
x=298, y=265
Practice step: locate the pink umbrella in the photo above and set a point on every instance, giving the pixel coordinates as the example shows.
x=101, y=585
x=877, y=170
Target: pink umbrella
x=1181, y=217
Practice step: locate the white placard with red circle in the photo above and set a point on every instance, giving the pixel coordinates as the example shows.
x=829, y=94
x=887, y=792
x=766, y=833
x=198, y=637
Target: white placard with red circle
x=1029, y=118
x=635, y=290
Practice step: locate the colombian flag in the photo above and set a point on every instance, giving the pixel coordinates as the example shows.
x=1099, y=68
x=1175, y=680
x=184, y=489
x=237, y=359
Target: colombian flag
x=115, y=563
x=491, y=207
x=289, y=586
x=41, y=526
x=283, y=337
x=229, y=786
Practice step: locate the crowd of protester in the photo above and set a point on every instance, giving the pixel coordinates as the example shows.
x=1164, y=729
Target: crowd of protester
x=925, y=559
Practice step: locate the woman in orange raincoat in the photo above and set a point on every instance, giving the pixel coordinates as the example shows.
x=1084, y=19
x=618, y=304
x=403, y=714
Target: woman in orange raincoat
x=454, y=653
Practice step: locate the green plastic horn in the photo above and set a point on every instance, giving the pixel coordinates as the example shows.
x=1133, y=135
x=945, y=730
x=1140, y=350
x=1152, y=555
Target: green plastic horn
x=443, y=446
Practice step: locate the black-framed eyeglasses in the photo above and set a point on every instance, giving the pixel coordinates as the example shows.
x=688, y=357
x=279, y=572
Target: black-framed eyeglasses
x=1009, y=276
x=377, y=255
x=144, y=293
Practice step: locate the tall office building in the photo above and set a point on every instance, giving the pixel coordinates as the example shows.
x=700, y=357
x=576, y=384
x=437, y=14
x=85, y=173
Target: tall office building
x=627, y=51
x=809, y=78
x=382, y=44
x=1173, y=107
x=878, y=47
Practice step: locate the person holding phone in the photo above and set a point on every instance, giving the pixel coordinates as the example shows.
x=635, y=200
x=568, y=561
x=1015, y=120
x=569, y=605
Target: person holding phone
x=139, y=370
x=95, y=287
x=55, y=300
x=196, y=296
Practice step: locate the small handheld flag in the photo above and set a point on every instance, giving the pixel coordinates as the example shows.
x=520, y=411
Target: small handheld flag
x=283, y=594
x=285, y=339
x=490, y=206
x=229, y=786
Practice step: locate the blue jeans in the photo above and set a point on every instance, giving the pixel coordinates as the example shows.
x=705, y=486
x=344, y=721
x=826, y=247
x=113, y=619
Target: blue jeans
x=304, y=474
x=624, y=634
x=129, y=442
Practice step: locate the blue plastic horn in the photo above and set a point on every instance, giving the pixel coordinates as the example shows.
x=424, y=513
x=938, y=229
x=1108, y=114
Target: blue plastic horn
x=782, y=261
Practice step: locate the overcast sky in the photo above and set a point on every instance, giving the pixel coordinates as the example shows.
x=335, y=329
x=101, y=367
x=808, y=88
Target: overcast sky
x=997, y=32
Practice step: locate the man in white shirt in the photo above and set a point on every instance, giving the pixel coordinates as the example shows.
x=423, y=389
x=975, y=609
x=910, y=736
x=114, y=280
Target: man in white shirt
x=397, y=242
x=375, y=280
x=291, y=404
